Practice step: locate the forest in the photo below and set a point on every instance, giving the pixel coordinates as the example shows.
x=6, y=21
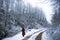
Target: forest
x=31, y=14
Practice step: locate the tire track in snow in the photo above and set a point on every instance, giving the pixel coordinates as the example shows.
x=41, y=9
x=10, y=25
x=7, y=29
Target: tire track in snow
x=39, y=36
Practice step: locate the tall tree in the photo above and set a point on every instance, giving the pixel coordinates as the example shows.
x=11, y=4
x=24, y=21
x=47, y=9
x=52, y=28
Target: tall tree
x=56, y=16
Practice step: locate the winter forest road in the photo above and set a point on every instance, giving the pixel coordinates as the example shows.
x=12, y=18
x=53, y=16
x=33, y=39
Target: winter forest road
x=37, y=37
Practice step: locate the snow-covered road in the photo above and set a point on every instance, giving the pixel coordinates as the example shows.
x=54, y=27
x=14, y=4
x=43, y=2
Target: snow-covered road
x=38, y=34
x=34, y=35
x=30, y=35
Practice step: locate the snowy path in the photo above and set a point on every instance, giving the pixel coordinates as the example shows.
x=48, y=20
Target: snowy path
x=30, y=35
x=35, y=34
x=38, y=34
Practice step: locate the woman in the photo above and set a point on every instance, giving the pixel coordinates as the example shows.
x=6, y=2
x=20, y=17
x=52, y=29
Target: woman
x=23, y=31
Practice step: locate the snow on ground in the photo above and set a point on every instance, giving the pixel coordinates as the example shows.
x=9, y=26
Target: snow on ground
x=20, y=37
x=49, y=34
x=46, y=36
x=35, y=35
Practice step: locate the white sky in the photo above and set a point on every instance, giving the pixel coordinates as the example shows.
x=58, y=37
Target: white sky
x=45, y=5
